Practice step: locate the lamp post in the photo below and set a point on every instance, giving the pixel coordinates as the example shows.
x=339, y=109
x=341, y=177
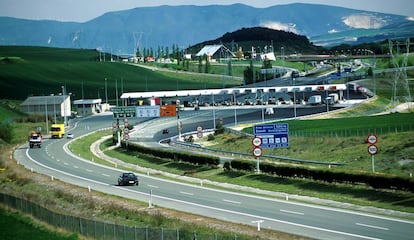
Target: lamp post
x=64, y=105
x=106, y=92
x=54, y=107
x=47, y=119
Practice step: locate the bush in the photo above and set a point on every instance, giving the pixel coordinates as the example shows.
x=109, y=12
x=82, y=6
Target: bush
x=175, y=156
x=6, y=133
x=210, y=137
x=328, y=176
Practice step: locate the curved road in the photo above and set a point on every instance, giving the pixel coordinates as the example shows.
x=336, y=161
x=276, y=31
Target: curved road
x=296, y=218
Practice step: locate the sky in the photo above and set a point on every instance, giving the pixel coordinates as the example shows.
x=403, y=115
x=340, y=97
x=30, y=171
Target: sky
x=84, y=10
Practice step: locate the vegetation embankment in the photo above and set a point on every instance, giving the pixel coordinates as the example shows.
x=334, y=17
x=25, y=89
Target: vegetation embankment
x=67, y=199
x=40, y=70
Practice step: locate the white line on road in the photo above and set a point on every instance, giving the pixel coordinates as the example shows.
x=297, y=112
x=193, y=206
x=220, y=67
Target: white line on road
x=187, y=193
x=372, y=226
x=287, y=211
x=106, y=175
x=152, y=186
x=75, y=166
x=88, y=170
x=230, y=201
x=66, y=163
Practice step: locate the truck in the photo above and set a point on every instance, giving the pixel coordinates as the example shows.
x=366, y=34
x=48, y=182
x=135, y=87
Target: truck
x=334, y=96
x=57, y=130
x=35, y=139
x=315, y=100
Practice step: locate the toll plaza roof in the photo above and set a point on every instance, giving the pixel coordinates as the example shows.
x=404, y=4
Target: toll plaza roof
x=208, y=92
x=87, y=101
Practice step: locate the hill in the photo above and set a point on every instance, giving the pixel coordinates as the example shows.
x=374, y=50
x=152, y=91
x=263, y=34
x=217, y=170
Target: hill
x=122, y=32
x=28, y=71
x=261, y=37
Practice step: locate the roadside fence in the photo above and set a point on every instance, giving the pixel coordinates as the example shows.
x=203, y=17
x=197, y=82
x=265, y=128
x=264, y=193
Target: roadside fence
x=95, y=229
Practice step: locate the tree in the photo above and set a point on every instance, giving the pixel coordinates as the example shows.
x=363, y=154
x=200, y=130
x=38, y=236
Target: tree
x=207, y=66
x=248, y=74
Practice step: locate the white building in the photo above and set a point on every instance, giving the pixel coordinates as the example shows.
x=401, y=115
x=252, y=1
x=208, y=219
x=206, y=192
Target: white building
x=85, y=107
x=51, y=105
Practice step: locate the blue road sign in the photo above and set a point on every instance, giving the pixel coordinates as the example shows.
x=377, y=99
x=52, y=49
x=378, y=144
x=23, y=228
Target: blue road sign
x=273, y=135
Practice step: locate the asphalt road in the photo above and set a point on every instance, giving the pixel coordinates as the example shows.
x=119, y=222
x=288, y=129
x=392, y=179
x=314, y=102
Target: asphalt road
x=314, y=221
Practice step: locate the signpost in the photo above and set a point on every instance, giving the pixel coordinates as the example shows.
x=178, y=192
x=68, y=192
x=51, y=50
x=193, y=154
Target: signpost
x=148, y=111
x=269, y=136
x=372, y=139
x=124, y=112
x=273, y=135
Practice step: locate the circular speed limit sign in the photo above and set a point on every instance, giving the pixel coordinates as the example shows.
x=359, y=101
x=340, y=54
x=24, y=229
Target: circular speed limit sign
x=256, y=141
x=372, y=139
x=257, y=152
x=372, y=149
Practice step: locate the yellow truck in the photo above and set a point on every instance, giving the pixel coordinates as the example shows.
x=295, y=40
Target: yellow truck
x=57, y=130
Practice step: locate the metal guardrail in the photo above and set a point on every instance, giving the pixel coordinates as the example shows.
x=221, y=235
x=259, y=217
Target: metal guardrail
x=232, y=154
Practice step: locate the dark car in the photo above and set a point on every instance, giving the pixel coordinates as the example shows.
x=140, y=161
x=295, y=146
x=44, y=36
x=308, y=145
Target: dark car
x=165, y=131
x=128, y=179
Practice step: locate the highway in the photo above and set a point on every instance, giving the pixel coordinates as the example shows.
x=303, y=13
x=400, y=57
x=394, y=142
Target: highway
x=314, y=221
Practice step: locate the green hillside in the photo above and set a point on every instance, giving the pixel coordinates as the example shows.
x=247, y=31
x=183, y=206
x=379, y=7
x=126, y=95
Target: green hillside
x=28, y=71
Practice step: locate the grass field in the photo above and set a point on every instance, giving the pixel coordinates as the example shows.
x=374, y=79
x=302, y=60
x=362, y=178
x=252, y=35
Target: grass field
x=42, y=71
x=14, y=226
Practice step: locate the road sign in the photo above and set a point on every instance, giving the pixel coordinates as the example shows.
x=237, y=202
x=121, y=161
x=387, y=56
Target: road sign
x=123, y=112
x=148, y=111
x=257, y=141
x=199, y=131
x=257, y=152
x=372, y=149
x=273, y=135
x=372, y=139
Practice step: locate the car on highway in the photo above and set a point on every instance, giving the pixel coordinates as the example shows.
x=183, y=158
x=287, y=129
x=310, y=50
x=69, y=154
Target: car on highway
x=70, y=135
x=128, y=179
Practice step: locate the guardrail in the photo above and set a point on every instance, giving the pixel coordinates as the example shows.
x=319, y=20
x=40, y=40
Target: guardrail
x=245, y=155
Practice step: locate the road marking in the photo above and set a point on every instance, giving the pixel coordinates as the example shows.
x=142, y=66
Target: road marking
x=75, y=166
x=152, y=186
x=372, y=226
x=187, y=193
x=106, y=175
x=88, y=170
x=66, y=163
x=230, y=201
x=287, y=211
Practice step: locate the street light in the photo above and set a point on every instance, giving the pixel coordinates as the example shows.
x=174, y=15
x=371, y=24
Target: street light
x=54, y=107
x=106, y=92
x=294, y=98
x=64, y=105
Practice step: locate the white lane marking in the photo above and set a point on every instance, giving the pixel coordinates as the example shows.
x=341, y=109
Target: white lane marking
x=230, y=201
x=287, y=211
x=251, y=215
x=187, y=193
x=75, y=166
x=106, y=175
x=152, y=186
x=88, y=170
x=372, y=226
x=66, y=163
